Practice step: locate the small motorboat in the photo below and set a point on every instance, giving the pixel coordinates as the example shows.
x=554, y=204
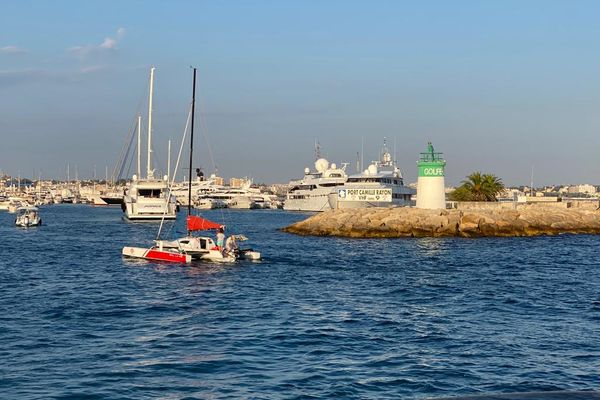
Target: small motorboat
x=28, y=216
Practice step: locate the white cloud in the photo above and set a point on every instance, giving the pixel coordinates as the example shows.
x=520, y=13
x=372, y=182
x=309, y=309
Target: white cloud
x=108, y=44
x=12, y=50
x=93, y=69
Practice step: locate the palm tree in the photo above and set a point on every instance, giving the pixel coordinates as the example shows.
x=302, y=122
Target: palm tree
x=493, y=186
x=478, y=187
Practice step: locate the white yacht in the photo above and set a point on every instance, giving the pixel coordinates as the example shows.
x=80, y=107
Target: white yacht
x=200, y=187
x=149, y=198
x=380, y=185
x=232, y=198
x=311, y=192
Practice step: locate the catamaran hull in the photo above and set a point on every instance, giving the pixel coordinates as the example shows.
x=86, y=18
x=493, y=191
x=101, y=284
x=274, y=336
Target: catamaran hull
x=156, y=254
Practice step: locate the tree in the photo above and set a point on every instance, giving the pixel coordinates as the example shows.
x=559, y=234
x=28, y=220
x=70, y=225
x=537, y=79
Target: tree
x=478, y=187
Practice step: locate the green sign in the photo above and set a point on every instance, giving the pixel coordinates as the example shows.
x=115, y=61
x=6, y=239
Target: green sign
x=431, y=169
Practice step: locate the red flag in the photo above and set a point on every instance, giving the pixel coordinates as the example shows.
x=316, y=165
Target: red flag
x=195, y=223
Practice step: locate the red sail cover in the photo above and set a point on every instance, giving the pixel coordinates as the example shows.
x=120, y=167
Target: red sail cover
x=195, y=223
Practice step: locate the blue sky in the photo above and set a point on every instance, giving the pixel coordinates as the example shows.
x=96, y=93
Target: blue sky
x=497, y=86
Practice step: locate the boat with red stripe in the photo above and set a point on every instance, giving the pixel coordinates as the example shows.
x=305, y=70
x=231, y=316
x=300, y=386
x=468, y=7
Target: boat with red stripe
x=155, y=253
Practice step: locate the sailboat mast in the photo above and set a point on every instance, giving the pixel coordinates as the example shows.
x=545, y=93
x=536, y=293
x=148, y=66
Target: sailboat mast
x=139, y=146
x=149, y=163
x=191, y=144
x=169, y=160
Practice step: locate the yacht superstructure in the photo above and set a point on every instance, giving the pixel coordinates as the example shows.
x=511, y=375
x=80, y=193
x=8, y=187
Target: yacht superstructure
x=311, y=192
x=380, y=185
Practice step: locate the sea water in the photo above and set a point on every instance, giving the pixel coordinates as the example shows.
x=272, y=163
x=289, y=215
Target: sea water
x=318, y=317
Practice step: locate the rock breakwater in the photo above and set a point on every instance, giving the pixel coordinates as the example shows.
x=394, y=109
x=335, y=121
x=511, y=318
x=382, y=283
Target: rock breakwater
x=413, y=222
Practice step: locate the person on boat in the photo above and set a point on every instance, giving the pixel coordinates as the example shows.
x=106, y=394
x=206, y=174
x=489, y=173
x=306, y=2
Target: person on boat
x=230, y=244
x=220, y=238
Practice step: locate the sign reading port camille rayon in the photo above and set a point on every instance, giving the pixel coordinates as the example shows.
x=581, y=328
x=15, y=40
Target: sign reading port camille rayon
x=383, y=195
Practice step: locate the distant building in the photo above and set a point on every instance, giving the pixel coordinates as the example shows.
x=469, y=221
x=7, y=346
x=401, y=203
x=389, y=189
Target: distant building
x=218, y=180
x=510, y=193
x=585, y=188
x=279, y=189
x=238, y=182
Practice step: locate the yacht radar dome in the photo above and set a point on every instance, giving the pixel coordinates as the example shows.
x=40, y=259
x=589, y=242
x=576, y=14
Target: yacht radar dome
x=321, y=165
x=372, y=169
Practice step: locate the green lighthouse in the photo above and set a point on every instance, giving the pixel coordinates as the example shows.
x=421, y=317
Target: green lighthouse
x=430, y=185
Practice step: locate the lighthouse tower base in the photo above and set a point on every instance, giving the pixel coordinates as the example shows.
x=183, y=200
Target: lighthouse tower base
x=431, y=192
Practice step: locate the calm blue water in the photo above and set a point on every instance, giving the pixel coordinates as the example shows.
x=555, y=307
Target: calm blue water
x=317, y=318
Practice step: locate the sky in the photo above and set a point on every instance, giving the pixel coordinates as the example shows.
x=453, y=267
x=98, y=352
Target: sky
x=507, y=87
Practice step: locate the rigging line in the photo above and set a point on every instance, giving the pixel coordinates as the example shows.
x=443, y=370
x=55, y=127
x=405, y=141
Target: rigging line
x=117, y=177
x=162, y=220
x=120, y=160
x=128, y=169
x=204, y=128
x=123, y=153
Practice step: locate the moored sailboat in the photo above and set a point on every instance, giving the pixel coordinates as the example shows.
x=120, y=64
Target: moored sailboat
x=149, y=198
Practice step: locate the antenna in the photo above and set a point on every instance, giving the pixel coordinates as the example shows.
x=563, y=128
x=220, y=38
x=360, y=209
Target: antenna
x=317, y=150
x=362, y=152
